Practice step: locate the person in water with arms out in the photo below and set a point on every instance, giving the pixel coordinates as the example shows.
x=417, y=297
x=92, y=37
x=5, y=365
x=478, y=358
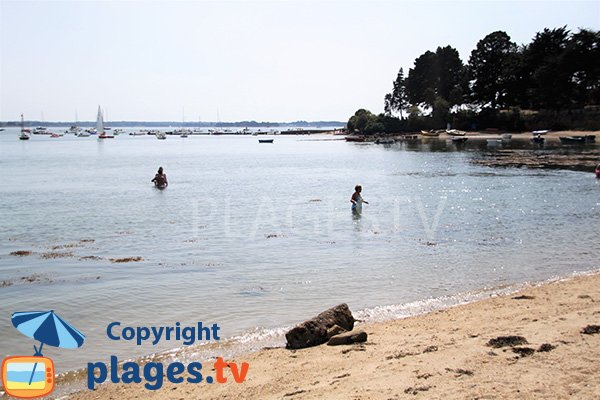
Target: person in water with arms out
x=357, y=200
x=160, y=179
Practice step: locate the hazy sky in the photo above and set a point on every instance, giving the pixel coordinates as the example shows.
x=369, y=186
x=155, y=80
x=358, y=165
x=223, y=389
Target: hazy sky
x=261, y=60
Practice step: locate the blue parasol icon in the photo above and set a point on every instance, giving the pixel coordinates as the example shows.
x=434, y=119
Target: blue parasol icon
x=48, y=328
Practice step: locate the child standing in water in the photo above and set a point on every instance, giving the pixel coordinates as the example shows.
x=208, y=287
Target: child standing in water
x=357, y=200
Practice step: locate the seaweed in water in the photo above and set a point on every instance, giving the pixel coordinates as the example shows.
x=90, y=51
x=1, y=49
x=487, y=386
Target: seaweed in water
x=591, y=330
x=127, y=259
x=21, y=253
x=503, y=341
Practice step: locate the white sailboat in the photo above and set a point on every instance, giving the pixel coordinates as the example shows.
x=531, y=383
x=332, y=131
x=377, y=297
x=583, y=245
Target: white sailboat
x=100, y=126
x=24, y=135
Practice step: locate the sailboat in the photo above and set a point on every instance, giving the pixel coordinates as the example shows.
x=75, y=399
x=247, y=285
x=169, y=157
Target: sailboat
x=100, y=126
x=24, y=135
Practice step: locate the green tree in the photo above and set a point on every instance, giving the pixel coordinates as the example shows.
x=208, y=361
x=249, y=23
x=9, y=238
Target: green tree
x=583, y=55
x=365, y=122
x=440, y=74
x=491, y=69
x=550, y=85
x=397, y=100
x=450, y=72
x=422, y=80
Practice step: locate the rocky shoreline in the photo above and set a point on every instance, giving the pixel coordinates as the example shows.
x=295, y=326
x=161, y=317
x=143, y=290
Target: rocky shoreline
x=545, y=159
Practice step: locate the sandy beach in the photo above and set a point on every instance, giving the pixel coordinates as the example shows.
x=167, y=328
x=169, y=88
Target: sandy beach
x=443, y=354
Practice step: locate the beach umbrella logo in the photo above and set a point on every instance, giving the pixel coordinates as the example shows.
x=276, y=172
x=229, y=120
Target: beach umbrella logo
x=33, y=376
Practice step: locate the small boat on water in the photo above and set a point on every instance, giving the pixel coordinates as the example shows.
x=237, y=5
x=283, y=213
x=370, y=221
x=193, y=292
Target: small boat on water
x=430, y=133
x=24, y=135
x=572, y=139
x=355, y=138
x=100, y=126
x=40, y=130
x=55, y=135
x=540, y=132
x=455, y=132
x=161, y=135
x=265, y=140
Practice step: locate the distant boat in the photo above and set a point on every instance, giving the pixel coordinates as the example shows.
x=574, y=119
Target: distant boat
x=430, y=133
x=540, y=132
x=73, y=129
x=55, y=135
x=40, y=130
x=265, y=140
x=100, y=126
x=161, y=135
x=455, y=132
x=85, y=133
x=24, y=135
x=572, y=139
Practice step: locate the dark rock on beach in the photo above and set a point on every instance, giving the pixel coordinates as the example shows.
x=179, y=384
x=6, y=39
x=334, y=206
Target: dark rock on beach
x=314, y=331
x=591, y=330
x=348, y=338
x=503, y=341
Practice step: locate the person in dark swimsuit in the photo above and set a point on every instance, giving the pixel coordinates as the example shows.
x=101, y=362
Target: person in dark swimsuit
x=160, y=179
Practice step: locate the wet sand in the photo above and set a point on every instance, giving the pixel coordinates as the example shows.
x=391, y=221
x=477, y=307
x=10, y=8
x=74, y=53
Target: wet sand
x=441, y=355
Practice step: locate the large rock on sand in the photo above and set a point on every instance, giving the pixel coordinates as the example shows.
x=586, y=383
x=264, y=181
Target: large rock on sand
x=314, y=331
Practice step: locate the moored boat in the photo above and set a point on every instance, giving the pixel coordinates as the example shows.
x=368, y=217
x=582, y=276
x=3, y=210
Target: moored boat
x=430, y=133
x=572, y=139
x=455, y=132
x=100, y=126
x=265, y=140
x=161, y=135
x=540, y=132
x=24, y=135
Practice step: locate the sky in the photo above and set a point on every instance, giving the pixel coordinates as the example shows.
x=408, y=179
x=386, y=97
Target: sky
x=228, y=61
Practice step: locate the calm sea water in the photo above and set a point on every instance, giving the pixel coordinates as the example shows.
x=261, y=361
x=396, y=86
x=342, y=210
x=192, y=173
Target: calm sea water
x=257, y=237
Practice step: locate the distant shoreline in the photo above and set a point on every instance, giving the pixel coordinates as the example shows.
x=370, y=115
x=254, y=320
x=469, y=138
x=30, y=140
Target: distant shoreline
x=204, y=124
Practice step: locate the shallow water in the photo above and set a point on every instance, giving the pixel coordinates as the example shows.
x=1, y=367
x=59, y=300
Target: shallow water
x=256, y=237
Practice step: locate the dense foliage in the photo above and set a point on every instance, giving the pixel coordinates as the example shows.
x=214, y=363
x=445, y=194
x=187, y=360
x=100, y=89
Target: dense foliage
x=552, y=82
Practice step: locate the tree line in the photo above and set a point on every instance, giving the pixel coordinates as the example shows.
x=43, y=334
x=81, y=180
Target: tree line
x=553, y=82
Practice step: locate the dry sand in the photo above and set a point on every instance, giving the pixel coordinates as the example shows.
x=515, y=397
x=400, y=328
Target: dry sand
x=441, y=355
